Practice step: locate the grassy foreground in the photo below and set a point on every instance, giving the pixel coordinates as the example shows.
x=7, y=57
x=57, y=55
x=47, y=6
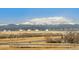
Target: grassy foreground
x=37, y=40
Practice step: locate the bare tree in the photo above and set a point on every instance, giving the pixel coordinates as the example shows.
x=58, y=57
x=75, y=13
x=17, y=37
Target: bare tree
x=71, y=37
x=52, y=40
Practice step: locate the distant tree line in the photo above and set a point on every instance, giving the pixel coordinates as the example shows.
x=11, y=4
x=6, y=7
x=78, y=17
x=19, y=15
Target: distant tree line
x=60, y=27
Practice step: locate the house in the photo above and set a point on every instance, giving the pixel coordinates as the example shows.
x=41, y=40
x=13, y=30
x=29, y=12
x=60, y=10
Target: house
x=29, y=30
x=20, y=30
x=36, y=30
x=46, y=30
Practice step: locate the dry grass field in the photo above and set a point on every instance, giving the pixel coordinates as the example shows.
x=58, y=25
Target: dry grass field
x=34, y=40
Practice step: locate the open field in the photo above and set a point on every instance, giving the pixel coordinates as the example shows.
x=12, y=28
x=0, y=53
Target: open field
x=54, y=46
x=34, y=40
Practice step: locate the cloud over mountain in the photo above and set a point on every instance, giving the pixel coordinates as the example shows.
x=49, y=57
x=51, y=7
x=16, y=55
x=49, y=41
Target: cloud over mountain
x=49, y=21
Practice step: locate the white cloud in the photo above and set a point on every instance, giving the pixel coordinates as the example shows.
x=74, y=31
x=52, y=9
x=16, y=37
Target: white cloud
x=49, y=20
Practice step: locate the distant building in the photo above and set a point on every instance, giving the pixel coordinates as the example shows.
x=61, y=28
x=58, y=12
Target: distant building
x=36, y=30
x=4, y=30
x=20, y=30
x=46, y=30
x=29, y=30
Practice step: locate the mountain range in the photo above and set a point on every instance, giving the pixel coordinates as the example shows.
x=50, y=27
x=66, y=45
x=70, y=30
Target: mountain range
x=51, y=23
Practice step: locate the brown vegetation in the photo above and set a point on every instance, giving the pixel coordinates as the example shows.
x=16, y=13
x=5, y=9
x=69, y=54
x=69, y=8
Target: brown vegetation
x=39, y=38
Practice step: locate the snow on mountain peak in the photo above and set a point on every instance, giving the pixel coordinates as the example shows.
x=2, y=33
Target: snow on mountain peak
x=49, y=21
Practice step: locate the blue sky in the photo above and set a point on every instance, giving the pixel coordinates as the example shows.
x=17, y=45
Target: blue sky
x=18, y=15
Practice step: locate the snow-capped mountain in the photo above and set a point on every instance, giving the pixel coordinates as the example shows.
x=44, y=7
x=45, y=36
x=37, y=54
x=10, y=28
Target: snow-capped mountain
x=49, y=21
